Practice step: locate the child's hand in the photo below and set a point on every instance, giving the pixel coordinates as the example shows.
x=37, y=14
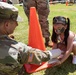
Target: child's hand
x=57, y=63
x=60, y=57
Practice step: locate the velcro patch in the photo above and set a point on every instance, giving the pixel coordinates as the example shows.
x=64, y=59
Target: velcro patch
x=30, y=58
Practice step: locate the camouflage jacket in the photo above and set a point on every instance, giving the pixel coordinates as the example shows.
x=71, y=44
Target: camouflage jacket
x=12, y=53
x=9, y=56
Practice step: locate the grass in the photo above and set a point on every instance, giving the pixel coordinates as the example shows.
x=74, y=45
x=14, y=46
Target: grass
x=21, y=34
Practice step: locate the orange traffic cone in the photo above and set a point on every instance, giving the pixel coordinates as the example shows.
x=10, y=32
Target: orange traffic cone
x=50, y=2
x=66, y=3
x=35, y=41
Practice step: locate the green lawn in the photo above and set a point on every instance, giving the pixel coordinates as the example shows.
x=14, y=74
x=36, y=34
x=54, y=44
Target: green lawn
x=21, y=34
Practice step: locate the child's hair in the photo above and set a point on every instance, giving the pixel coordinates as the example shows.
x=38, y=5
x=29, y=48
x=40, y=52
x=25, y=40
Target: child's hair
x=64, y=21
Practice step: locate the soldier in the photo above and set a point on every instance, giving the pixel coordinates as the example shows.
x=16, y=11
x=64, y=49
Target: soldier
x=13, y=53
x=42, y=7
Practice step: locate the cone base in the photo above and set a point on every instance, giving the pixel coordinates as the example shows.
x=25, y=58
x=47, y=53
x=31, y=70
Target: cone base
x=31, y=68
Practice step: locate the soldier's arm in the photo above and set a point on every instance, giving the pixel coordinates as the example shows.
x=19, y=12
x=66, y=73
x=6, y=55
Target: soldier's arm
x=26, y=54
x=36, y=56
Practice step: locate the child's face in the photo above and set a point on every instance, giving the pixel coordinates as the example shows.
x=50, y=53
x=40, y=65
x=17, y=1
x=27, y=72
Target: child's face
x=59, y=28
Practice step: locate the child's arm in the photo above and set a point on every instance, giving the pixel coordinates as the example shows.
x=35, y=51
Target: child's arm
x=69, y=48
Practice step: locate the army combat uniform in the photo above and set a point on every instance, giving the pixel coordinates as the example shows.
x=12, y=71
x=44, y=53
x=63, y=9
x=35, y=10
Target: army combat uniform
x=42, y=7
x=12, y=53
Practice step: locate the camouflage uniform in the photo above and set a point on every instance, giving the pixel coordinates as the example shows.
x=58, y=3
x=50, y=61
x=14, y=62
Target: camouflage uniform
x=11, y=52
x=42, y=7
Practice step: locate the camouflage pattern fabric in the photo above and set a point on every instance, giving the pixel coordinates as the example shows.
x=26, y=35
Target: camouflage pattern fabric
x=8, y=11
x=42, y=7
x=9, y=69
x=13, y=53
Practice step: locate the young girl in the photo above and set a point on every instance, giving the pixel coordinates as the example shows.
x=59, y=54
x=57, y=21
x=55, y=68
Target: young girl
x=63, y=38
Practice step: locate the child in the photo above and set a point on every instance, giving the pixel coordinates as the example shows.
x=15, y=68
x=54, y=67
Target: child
x=63, y=38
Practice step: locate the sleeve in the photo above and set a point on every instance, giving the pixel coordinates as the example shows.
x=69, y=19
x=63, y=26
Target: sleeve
x=33, y=56
x=19, y=48
x=26, y=54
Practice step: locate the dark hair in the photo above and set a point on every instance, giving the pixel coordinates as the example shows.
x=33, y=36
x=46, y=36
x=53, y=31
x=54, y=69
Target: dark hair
x=63, y=21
